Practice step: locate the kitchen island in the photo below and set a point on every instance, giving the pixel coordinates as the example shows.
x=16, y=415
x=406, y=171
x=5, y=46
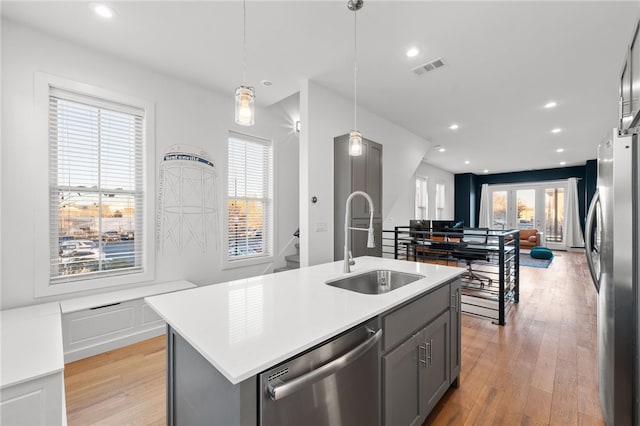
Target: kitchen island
x=221, y=337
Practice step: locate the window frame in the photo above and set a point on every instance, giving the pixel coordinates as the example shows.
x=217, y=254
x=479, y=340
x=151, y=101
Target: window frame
x=227, y=261
x=44, y=285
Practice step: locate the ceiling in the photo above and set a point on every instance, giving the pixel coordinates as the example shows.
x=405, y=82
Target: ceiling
x=504, y=62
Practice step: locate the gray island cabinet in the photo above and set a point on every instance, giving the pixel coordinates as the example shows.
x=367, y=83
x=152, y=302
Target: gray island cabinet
x=421, y=356
x=215, y=367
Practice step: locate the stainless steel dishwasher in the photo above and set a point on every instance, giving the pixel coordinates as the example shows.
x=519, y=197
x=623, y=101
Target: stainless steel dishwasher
x=336, y=383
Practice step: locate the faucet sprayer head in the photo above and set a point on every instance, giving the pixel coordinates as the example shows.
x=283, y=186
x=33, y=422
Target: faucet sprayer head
x=371, y=241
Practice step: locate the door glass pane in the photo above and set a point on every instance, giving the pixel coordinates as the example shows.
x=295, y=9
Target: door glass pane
x=499, y=210
x=526, y=205
x=554, y=214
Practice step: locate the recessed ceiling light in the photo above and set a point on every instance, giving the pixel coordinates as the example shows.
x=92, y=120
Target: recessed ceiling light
x=467, y=162
x=413, y=52
x=556, y=130
x=441, y=149
x=486, y=170
x=454, y=127
x=562, y=163
x=560, y=150
x=266, y=83
x=551, y=104
x=102, y=10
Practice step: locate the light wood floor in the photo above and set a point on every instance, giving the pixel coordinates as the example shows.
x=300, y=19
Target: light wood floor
x=539, y=369
x=121, y=387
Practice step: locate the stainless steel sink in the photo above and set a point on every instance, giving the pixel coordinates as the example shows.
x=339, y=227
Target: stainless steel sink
x=375, y=282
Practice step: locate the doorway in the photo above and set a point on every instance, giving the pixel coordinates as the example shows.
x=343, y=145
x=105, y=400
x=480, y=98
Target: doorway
x=537, y=205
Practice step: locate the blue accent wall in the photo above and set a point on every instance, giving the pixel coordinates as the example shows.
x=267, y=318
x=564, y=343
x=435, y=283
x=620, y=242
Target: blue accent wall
x=591, y=181
x=468, y=187
x=465, y=198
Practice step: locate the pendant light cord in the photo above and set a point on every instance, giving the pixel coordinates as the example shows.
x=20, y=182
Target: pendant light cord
x=355, y=68
x=244, y=42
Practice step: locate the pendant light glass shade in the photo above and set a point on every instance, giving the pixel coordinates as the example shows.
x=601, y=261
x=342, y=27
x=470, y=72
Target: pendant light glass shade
x=355, y=143
x=245, y=107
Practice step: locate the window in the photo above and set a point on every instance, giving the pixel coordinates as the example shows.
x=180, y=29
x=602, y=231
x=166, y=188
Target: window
x=421, y=198
x=531, y=205
x=249, y=200
x=499, y=210
x=526, y=208
x=99, y=198
x=440, y=203
x=96, y=187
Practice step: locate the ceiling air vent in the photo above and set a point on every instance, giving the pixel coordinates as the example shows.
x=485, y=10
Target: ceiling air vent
x=429, y=66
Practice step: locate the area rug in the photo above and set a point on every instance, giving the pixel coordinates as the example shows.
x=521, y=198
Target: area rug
x=527, y=260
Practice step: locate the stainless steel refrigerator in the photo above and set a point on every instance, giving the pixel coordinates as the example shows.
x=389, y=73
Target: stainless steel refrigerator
x=612, y=235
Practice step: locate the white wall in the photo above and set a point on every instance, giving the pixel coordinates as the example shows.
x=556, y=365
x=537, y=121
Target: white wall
x=185, y=114
x=404, y=209
x=284, y=115
x=435, y=176
x=326, y=115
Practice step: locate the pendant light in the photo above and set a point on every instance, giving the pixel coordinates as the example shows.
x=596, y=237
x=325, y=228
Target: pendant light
x=245, y=95
x=355, y=138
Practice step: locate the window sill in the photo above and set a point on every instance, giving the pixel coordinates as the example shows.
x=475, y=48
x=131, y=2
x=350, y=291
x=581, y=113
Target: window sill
x=79, y=286
x=242, y=263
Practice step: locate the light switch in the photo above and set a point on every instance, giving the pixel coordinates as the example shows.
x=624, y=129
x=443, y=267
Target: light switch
x=321, y=226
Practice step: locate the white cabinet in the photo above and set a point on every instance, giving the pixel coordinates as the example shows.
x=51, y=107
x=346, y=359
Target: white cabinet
x=102, y=328
x=96, y=324
x=38, y=401
x=32, y=366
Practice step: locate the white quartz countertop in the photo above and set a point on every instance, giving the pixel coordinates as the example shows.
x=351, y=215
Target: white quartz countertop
x=30, y=343
x=246, y=326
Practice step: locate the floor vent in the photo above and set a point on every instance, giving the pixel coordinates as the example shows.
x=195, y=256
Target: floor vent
x=429, y=66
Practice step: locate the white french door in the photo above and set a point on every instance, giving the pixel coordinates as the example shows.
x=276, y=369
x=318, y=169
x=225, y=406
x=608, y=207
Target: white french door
x=530, y=206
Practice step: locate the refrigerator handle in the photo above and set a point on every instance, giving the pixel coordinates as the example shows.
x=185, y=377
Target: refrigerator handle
x=588, y=231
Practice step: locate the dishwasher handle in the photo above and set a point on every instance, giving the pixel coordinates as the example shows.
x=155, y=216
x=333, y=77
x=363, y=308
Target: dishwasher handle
x=285, y=389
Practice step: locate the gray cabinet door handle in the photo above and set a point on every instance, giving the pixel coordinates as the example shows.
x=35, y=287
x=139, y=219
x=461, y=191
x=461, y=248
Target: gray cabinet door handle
x=423, y=361
x=292, y=386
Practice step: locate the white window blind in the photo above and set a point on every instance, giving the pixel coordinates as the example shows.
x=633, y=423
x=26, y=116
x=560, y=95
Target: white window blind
x=421, y=198
x=249, y=197
x=96, y=187
x=440, y=200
